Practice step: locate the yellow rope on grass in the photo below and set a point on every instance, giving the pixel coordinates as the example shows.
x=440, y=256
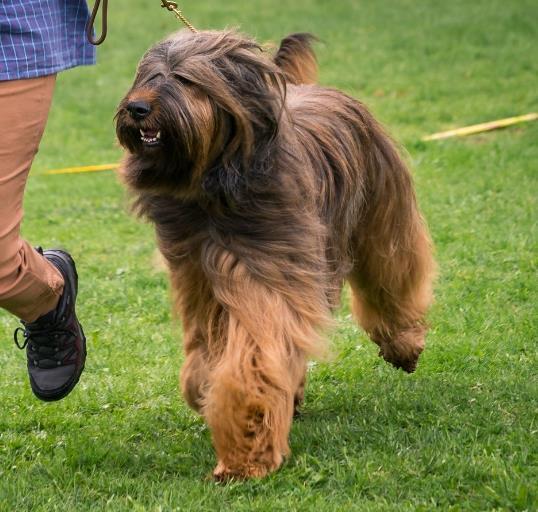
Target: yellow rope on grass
x=87, y=168
x=483, y=127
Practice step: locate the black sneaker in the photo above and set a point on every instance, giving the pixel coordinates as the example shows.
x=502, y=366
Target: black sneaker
x=55, y=343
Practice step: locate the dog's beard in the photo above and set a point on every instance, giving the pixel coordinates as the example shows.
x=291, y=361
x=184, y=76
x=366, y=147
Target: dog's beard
x=168, y=147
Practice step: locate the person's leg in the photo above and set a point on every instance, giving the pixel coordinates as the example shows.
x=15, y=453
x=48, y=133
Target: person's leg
x=39, y=287
x=30, y=285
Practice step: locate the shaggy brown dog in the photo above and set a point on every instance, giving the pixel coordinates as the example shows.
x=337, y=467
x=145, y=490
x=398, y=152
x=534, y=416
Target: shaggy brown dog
x=267, y=192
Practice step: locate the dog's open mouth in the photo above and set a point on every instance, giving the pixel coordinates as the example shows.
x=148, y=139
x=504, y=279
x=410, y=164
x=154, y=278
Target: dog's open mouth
x=150, y=137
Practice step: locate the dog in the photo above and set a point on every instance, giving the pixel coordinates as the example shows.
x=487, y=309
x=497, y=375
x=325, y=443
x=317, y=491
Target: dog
x=267, y=193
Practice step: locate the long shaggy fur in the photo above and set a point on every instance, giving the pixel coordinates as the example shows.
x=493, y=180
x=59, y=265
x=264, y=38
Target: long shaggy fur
x=268, y=192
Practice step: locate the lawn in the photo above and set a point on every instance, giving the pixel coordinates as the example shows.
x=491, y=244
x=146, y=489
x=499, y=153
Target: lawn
x=459, y=434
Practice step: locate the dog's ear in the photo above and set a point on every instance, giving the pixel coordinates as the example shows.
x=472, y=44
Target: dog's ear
x=297, y=60
x=248, y=93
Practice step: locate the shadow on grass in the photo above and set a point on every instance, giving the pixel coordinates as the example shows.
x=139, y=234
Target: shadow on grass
x=364, y=433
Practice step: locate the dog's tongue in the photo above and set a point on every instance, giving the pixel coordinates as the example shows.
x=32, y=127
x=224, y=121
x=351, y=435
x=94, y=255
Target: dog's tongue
x=150, y=133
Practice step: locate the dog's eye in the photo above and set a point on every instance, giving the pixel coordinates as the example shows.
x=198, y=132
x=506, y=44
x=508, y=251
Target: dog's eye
x=155, y=79
x=181, y=79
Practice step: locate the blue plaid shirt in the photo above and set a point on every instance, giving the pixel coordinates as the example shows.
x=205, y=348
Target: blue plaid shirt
x=42, y=37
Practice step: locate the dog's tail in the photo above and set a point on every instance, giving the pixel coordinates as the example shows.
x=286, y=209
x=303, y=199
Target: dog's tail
x=296, y=58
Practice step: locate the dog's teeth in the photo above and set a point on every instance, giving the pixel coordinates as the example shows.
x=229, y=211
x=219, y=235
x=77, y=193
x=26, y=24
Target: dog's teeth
x=149, y=140
x=159, y=134
x=143, y=133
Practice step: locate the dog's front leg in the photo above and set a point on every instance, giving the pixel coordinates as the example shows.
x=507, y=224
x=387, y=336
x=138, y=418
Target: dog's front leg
x=194, y=373
x=250, y=401
x=258, y=366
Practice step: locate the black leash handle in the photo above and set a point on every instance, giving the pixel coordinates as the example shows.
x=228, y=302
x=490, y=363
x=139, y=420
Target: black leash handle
x=91, y=23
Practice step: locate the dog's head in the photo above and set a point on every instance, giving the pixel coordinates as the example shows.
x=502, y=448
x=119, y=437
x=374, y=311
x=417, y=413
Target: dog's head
x=199, y=101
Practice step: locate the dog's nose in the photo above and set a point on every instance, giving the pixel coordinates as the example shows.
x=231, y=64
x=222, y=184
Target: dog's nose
x=138, y=109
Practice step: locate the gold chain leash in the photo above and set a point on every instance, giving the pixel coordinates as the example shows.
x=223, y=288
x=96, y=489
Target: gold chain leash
x=173, y=7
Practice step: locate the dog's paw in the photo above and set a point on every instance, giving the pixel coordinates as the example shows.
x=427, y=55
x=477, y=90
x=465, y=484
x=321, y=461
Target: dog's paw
x=223, y=473
x=403, y=351
x=408, y=365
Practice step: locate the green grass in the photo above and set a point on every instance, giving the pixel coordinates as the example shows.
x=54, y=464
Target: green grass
x=460, y=434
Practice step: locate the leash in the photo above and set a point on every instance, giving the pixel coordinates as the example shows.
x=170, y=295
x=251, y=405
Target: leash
x=173, y=7
x=166, y=4
x=91, y=23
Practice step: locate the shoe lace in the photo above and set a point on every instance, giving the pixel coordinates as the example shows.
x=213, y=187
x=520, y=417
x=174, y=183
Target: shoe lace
x=16, y=339
x=49, y=343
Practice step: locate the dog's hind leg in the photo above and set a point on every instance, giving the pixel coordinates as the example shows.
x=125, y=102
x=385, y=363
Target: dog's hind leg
x=392, y=289
x=393, y=267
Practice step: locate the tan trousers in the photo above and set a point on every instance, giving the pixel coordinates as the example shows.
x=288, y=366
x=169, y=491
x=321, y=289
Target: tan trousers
x=29, y=285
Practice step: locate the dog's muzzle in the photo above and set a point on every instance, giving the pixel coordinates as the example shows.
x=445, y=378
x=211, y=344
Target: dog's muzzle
x=139, y=111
